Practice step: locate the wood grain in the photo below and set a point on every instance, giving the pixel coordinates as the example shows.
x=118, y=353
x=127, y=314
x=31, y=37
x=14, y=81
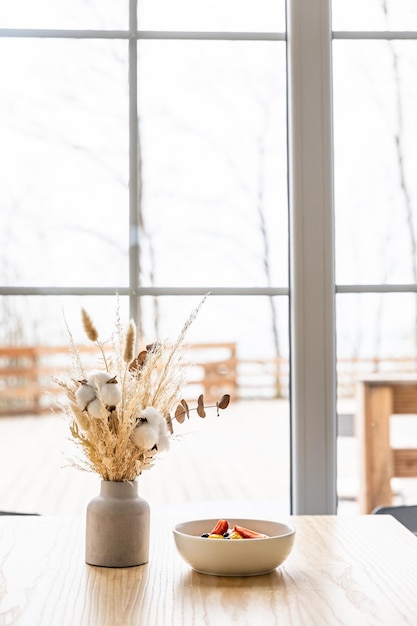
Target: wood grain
x=405, y=462
x=375, y=408
x=343, y=570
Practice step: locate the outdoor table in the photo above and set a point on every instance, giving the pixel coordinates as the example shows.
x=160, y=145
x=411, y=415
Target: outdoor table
x=342, y=570
x=379, y=397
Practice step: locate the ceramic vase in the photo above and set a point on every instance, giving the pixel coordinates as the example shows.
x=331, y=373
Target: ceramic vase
x=117, y=526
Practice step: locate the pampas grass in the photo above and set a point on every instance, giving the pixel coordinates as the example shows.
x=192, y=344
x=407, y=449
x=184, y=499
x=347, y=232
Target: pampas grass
x=156, y=380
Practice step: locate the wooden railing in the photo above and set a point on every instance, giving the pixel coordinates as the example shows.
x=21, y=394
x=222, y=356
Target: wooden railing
x=26, y=372
x=270, y=377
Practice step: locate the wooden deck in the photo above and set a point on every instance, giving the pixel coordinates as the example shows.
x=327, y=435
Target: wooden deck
x=241, y=455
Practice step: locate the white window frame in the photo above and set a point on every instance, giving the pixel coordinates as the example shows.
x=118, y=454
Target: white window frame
x=312, y=284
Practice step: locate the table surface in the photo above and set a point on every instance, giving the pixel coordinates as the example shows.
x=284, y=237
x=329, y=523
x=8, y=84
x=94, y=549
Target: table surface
x=343, y=570
x=389, y=378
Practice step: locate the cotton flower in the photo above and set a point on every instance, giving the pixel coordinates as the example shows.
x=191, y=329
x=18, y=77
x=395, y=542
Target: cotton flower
x=97, y=409
x=151, y=431
x=157, y=421
x=97, y=378
x=106, y=388
x=145, y=436
x=111, y=393
x=84, y=394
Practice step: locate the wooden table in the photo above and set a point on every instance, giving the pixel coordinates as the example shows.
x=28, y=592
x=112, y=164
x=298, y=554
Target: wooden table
x=379, y=397
x=342, y=571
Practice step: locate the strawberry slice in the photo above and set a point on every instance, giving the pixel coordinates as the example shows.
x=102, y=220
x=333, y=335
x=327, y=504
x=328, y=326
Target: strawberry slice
x=246, y=533
x=221, y=527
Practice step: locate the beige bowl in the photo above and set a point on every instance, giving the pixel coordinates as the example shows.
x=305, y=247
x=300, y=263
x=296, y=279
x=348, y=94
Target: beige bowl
x=240, y=557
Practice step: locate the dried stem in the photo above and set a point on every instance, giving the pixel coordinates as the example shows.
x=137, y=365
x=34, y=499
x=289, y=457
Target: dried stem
x=105, y=434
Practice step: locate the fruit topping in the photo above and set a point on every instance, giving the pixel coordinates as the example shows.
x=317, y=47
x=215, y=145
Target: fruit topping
x=220, y=528
x=223, y=531
x=246, y=533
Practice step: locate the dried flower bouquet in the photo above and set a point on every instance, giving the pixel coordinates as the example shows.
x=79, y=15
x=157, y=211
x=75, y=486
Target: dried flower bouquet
x=121, y=414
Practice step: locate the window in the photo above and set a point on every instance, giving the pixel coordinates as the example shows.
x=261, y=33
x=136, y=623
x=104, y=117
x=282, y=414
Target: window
x=146, y=154
x=374, y=60
x=164, y=150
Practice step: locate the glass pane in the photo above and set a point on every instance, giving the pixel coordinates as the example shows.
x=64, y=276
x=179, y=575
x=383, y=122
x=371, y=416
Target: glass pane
x=240, y=455
x=64, y=210
x=77, y=14
x=213, y=135
x=216, y=15
x=376, y=338
x=375, y=99
x=374, y=15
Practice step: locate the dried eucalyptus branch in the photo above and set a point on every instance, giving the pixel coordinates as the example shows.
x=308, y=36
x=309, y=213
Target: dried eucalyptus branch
x=183, y=409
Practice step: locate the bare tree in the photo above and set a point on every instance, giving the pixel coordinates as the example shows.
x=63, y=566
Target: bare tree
x=399, y=136
x=260, y=205
x=144, y=235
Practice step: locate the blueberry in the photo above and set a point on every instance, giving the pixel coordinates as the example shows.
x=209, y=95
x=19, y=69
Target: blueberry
x=205, y=535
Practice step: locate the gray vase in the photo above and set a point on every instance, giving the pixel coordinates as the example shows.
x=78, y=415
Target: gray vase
x=117, y=526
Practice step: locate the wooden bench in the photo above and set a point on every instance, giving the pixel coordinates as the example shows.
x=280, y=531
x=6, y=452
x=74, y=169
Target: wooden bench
x=26, y=372
x=379, y=397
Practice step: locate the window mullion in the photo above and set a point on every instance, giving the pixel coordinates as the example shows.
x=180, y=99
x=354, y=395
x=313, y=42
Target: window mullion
x=313, y=389
x=134, y=243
